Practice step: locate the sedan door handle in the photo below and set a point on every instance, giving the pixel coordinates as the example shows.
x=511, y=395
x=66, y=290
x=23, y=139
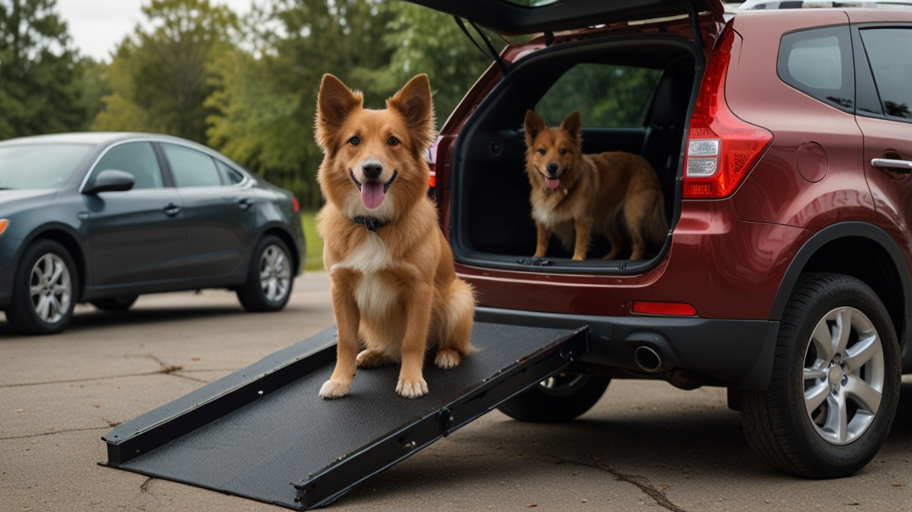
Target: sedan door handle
x=245, y=203
x=172, y=209
x=902, y=166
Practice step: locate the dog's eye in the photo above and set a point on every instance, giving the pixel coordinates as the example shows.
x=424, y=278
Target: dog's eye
x=392, y=141
x=354, y=141
x=542, y=151
x=563, y=152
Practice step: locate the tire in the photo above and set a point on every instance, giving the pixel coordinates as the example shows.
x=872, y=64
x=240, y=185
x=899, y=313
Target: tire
x=270, y=280
x=560, y=398
x=122, y=303
x=796, y=426
x=45, y=290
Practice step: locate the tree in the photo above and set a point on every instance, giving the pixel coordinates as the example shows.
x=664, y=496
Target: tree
x=160, y=78
x=39, y=92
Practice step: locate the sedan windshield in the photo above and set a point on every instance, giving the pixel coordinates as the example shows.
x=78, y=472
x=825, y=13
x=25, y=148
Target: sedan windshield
x=37, y=166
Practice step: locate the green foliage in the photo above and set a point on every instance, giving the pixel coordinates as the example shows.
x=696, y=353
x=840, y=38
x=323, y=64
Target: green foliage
x=160, y=78
x=606, y=96
x=38, y=85
x=314, y=242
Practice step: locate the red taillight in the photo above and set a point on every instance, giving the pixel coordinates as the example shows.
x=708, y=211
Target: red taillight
x=664, y=308
x=721, y=149
x=295, y=204
x=432, y=162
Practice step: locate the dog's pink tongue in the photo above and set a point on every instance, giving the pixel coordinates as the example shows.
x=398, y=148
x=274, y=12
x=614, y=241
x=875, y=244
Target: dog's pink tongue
x=372, y=194
x=552, y=183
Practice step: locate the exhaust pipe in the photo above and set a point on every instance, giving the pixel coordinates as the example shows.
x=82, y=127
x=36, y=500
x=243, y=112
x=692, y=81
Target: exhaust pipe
x=647, y=359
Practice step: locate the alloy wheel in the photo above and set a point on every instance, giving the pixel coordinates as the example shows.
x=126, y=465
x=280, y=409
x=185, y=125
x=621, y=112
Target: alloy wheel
x=843, y=375
x=275, y=273
x=50, y=288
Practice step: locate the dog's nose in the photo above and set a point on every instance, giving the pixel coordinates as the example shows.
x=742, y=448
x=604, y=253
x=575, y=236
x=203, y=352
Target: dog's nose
x=372, y=170
x=552, y=168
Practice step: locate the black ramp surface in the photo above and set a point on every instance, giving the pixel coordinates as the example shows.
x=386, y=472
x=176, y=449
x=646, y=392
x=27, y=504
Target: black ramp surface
x=282, y=438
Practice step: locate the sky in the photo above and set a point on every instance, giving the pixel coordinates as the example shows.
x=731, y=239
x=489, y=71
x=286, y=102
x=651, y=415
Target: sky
x=96, y=26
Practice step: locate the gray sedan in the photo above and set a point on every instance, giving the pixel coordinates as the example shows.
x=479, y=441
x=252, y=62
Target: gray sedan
x=105, y=217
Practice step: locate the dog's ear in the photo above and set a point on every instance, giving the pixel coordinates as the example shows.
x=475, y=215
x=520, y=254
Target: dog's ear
x=573, y=124
x=534, y=125
x=334, y=103
x=413, y=102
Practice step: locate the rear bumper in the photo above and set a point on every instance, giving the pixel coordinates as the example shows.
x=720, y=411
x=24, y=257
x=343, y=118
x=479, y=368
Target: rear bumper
x=738, y=352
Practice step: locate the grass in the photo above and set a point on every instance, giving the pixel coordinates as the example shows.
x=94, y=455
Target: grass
x=314, y=242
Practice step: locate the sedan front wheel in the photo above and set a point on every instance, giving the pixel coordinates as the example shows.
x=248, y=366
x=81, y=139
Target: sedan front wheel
x=44, y=290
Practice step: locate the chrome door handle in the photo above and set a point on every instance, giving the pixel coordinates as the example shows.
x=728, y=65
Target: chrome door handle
x=245, y=203
x=903, y=166
x=172, y=209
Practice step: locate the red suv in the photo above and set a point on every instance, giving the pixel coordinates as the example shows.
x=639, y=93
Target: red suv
x=783, y=144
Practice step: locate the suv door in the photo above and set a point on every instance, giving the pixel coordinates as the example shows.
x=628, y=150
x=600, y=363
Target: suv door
x=219, y=210
x=136, y=236
x=884, y=114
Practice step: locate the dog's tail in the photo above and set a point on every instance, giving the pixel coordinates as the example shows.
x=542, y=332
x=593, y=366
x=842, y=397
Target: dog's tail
x=658, y=225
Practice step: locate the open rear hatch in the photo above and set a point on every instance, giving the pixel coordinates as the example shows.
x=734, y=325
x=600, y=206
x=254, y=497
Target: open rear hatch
x=531, y=16
x=632, y=69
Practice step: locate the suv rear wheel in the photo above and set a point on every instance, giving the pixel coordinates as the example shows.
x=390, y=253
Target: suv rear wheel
x=44, y=290
x=835, y=384
x=562, y=397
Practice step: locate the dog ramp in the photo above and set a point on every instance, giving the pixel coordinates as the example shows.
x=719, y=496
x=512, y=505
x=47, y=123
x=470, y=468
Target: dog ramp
x=263, y=433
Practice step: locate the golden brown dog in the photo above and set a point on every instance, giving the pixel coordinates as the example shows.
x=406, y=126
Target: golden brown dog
x=394, y=290
x=573, y=194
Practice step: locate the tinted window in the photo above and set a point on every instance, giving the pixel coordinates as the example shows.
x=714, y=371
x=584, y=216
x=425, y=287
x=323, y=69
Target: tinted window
x=889, y=52
x=36, y=166
x=818, y=62
x=229, y=175
x=191, y=168
x=136, y=158
x=606, y=96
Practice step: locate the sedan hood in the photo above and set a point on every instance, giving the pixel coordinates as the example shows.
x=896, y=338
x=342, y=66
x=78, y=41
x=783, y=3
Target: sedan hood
x=509, y=17
x=12, y=201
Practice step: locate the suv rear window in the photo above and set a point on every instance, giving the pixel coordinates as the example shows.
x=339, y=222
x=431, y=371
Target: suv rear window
x=606, y=96
x=818, y=62
x=889, y=52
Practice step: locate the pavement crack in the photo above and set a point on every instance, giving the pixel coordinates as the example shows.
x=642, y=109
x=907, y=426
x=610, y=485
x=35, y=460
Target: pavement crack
x=144, y=487
x=53, y=433
x=164, y=368
x=641, y=482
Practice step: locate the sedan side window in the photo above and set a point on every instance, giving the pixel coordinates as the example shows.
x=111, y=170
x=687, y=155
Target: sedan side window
x=136, y=158
x=229, y=175
x=191, y=168
x=889, y=52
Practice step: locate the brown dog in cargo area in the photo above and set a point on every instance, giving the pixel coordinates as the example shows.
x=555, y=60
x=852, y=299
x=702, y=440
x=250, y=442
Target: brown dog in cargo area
x=394, y=289
x=574, y=194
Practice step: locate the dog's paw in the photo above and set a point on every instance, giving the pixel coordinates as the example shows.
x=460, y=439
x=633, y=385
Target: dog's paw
x=412, y=388
x=446, y=359
x=335, y=389
x=371, y=359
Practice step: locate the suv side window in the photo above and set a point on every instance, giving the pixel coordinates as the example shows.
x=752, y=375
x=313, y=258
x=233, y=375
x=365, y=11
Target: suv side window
x=606, y=96
x=889, y=52
x=818, y=62
x=136, y=158
x=191, y=168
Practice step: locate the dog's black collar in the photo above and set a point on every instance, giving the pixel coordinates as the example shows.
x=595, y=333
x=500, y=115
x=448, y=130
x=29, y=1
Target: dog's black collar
x=371, y=223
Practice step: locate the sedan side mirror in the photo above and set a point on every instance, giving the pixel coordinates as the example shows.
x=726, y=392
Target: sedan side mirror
x=110, y=181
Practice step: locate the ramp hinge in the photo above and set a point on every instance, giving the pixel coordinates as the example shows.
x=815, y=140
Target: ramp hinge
x=445, y=421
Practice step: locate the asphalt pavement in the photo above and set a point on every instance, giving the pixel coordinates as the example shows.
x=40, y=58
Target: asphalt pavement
x=644, y=445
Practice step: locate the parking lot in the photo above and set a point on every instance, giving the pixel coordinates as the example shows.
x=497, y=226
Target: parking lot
x=646, y=444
